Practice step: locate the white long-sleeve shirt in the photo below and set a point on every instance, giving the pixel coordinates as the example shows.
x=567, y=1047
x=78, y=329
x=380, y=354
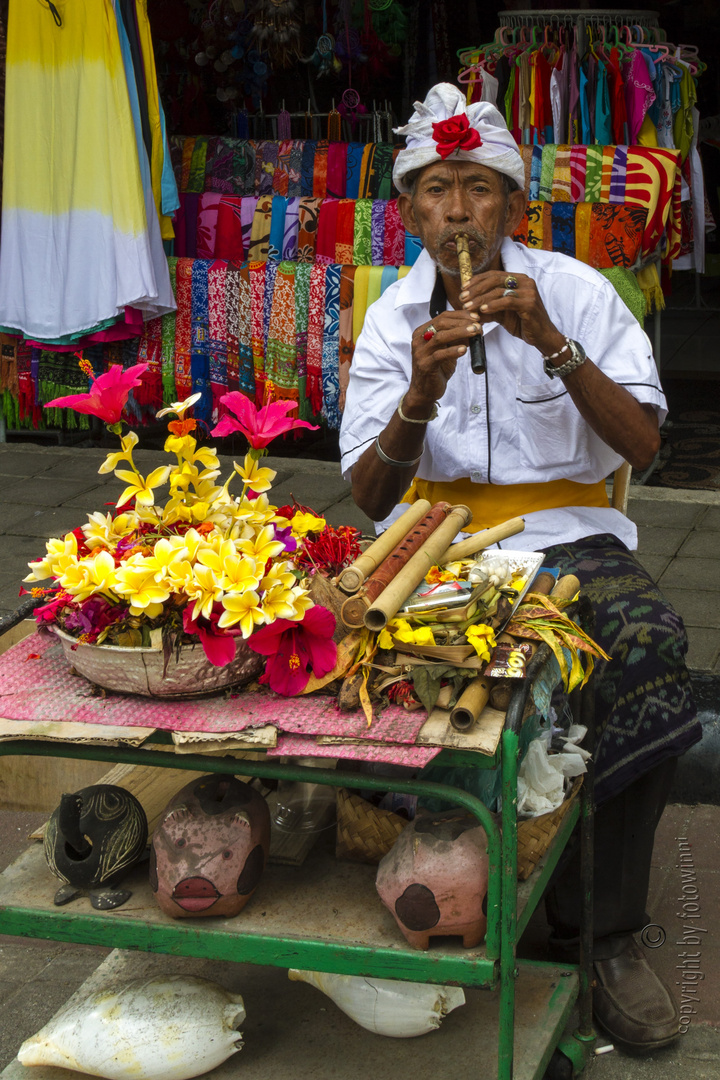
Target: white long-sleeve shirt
x=513, y=425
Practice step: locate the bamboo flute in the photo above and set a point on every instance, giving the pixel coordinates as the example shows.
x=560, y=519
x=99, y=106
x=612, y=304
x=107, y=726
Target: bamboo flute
x=394, y=596
x=477, y=344
x=354, y=608
x=471, y=703
x=353, y=576
x=480, y=540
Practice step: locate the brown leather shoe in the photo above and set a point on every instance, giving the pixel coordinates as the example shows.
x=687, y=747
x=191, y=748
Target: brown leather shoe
x=632, y=1003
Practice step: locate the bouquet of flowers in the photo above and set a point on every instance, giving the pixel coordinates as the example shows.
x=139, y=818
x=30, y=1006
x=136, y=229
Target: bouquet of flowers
x=212, y=563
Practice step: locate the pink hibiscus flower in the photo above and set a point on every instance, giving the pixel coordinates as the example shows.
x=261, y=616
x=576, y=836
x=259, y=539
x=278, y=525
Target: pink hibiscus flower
x=108, y=394
x=295, y=649
x=259, y=426
x=219, y=647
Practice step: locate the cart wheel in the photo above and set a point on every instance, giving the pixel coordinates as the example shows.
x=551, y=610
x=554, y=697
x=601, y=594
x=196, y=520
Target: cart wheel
x=560, y=1067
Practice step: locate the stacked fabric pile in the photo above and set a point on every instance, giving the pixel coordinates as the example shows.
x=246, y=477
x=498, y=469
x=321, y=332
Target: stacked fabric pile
x=358, y=232
x=293, y=167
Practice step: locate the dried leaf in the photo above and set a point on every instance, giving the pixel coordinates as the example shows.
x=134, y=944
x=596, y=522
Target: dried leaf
x=365, y=697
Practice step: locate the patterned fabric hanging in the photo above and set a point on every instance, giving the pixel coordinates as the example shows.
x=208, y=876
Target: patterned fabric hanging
x=281, y=382
x=331, y=348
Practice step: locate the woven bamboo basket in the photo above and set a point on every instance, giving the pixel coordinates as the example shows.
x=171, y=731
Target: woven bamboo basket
x=365, y=833
x=535, y=834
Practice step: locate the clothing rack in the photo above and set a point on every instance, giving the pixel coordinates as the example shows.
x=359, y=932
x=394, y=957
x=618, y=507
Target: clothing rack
x=579, y=20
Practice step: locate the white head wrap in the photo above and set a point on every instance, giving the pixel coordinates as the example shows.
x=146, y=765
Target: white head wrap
x=497, y=149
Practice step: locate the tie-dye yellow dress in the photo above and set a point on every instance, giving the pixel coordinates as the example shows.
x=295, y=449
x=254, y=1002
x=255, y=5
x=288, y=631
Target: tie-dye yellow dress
x=75, y=248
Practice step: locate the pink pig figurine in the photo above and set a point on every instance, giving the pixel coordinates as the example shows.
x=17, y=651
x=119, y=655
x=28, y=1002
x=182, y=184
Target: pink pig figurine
x=210, y=848
x=434, y=879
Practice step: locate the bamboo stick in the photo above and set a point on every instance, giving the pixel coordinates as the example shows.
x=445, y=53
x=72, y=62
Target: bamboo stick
x=353, y=576
x=354, y=608
x=480, y=540
x=391, y=599
x=471, y=703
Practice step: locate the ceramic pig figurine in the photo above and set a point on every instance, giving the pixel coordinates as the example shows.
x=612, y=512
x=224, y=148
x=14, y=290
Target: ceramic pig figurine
x=434, y=879
x=210, y=848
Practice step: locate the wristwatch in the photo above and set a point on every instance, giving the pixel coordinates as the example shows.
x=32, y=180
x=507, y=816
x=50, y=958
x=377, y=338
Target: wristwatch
x=577, y=359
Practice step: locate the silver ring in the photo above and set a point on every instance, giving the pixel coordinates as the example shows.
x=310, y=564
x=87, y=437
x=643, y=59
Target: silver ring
x=508, y=292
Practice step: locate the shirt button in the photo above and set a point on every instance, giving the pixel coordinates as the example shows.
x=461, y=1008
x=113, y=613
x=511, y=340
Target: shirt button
x=475, y=477
x=475, y=408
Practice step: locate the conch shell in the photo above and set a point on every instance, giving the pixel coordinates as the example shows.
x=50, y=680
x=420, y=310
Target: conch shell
x=386, y=1006
x=169, y=1027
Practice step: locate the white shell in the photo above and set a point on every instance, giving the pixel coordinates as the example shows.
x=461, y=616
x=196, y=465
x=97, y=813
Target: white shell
x=386, y=1006
x=169, y=1027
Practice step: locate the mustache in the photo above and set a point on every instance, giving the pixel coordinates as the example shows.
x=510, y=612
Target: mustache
x=472, y=234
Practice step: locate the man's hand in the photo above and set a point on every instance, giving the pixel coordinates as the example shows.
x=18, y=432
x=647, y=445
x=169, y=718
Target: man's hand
x=435, y=357
x=491, y=297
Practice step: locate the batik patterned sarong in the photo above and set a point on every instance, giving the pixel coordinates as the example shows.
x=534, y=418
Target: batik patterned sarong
x=644, y=709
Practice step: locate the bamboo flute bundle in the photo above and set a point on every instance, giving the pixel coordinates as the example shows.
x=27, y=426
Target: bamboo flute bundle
x=471, y=703
x=396, y=593
x=353, y=576
x=354, y=608
x=480, y=540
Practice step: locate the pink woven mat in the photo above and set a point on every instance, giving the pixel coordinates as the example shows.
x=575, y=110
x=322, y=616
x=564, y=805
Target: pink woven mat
x=36, y=684
x=393, y=753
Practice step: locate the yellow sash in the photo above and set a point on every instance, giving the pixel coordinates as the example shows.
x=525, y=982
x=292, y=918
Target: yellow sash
x=492, y=504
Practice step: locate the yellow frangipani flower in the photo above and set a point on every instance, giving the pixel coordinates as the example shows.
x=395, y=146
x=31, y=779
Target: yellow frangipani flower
x=182, y=445
x=166, y=552
x=300, y=602
x=302, y=524
x=135, y=580
x=106, y=530
x=75, y=578
x=178, y=407
x=243, y=608
x=60, y=552
x=204, y=588
x=207, y=456
x=278, y=603
x=238, y=573
x=482, y=639
x=111, y=462
x=192, y=541
x=142, y=489
x=278, y=574
x=262, y=546
x=102, y=571
x=253, y=475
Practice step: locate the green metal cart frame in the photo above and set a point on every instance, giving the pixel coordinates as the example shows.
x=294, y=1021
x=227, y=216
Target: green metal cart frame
x=510, y=905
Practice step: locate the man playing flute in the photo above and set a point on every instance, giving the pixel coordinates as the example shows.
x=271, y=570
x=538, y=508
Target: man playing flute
x=570, y=390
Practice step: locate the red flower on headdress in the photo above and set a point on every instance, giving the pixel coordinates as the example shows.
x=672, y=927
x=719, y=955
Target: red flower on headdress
x=455, y=133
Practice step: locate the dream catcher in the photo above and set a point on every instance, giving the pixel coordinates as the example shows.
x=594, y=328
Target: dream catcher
x=323, y=56
x=275, y=30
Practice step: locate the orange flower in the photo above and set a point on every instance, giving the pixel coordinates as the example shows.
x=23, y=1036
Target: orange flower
x=182, y=427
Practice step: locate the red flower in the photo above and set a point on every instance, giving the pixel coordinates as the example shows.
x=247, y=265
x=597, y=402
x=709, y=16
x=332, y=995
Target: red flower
x=108, y=394
x=218, y=646
x=259, y=426
x=455, y=133
x=295, y=649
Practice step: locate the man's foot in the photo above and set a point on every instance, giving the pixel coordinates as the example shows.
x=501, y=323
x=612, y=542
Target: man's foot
x=632, y=1003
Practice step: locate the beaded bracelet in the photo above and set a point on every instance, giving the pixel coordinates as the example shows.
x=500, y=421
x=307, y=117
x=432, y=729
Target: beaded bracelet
x=391, y=461
x=554, y=356
x=409, y=419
